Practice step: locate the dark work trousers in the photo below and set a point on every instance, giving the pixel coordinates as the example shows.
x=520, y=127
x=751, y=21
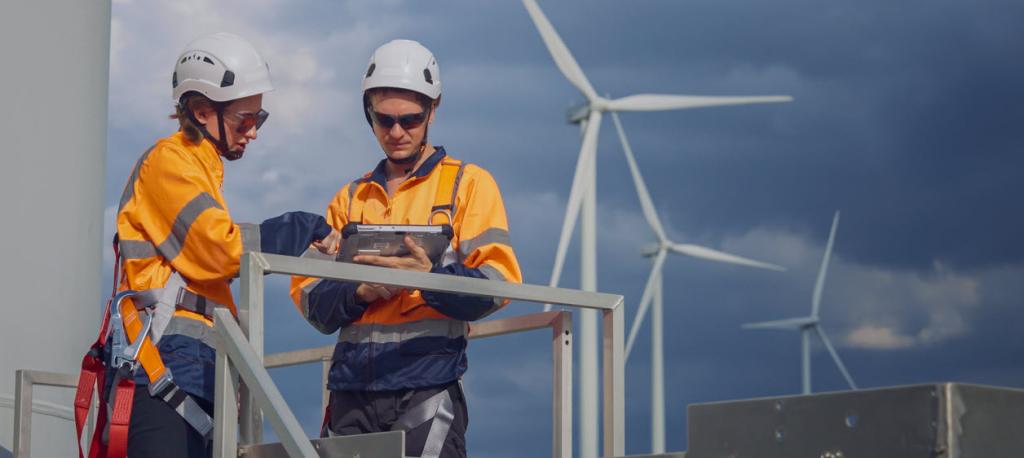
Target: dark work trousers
x=360, y=412
x=157, y=431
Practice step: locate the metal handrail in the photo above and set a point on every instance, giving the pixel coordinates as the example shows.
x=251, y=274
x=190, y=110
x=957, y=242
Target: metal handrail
x=24, y=382
x=560, y=323
x=255, y=265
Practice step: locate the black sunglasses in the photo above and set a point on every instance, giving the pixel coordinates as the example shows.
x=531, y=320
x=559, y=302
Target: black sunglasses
x=407, y=121
x=249, y=120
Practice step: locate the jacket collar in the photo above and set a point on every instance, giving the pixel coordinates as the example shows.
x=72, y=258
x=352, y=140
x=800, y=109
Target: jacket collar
x=379, y=174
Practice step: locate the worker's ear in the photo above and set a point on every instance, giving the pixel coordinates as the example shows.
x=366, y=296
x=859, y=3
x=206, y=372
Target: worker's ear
x=203, y=114
x=433, y=109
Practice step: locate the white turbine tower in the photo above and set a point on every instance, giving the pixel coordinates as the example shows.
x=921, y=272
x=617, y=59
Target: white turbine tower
x=811, y=323
x=652, y=291
x=582, y=196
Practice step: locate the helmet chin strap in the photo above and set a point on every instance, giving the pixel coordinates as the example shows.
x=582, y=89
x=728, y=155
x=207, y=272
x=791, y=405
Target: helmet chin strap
x=220, y=143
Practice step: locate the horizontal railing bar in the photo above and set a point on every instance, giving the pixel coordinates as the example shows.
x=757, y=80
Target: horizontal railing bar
x=48, y=409
x=480, y=329
x=524, y=323
x=52, y=378
x=296, y=357
x=436, y=282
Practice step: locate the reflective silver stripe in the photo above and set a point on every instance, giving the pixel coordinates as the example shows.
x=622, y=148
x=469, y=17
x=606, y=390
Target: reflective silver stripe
x=129, y=188
x=491, y=235
x=136, y=249
x=304, y=304
x=304, y=300
x=352, y=187
x=438, y=408
x=491, y=273
x=250, y=237
x=455, y=187
x=189, y=327
x=170, y=248
x=394, y=333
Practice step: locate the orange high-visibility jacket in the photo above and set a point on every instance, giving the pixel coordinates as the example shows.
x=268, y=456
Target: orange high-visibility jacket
x=415, y=339
x=172, y=219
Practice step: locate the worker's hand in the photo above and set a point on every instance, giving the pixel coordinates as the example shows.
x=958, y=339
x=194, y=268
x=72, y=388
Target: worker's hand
x=416, y=260
x=330, y=244
x=370, y=292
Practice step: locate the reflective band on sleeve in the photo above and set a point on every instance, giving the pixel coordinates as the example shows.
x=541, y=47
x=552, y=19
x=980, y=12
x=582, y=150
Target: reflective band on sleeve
x=491, y=273
x=250, y=237
x=136, y=249
x=491, y=235
x=394, y=333
x=170, y=248
x=305, y=297
x=438, y=408
x=129, y=188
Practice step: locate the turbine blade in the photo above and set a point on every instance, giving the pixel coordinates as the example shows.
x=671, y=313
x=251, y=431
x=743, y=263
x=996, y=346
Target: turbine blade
x=788, y=324
x=720, y=256
x=659, y=102
x=576, y=192
x=650, y=214
x=645, y=301
x=835, y=356
x=819, y=284
x=559, y=52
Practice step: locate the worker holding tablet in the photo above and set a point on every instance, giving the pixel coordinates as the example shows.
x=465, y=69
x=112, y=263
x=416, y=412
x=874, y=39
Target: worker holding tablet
x=400, y=354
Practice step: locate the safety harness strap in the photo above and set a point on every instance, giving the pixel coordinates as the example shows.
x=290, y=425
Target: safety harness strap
x=438, y=408
x=447, y=188
x=182, y=298
x=187, y=408
x=110, y=439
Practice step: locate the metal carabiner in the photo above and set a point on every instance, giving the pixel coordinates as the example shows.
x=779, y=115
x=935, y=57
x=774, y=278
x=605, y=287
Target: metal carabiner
x=122, y=352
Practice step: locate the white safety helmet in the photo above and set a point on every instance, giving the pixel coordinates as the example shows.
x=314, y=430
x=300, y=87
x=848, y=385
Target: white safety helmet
x=404, y=64
x=222, y=67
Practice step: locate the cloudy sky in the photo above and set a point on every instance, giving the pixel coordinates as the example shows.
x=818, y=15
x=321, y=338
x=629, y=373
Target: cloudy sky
x=905, y=118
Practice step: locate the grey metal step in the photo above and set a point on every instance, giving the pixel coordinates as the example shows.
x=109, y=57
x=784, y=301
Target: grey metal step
x=376, y=445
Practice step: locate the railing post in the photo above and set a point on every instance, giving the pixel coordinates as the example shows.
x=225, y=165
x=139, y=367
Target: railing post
x=22, y=414
x=326, y=394
x=233, y=351
x=225, y=412
x=250, y=318
x=614, y=382
x=561, y=353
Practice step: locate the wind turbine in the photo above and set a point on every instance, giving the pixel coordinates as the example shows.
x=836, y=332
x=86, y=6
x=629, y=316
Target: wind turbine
x=808, y=324
x=582, y=198
x=652, y=292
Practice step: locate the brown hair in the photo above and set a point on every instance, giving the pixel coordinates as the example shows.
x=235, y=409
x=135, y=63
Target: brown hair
x=191, y=102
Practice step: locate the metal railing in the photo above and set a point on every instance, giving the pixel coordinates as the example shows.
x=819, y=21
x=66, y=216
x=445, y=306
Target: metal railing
x=24, y=405
x=560, y=323
x=236, y=357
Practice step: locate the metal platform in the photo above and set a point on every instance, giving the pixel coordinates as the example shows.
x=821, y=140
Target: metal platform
x=376, y=445
x=947, y=420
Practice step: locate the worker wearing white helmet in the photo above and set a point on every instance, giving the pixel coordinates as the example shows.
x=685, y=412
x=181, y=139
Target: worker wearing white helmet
x=401, y=354
x=178, y=250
